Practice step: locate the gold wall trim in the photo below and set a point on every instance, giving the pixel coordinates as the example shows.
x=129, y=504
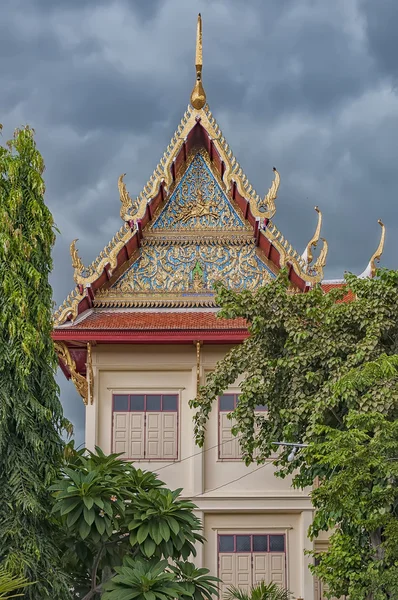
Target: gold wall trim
x=81, y=384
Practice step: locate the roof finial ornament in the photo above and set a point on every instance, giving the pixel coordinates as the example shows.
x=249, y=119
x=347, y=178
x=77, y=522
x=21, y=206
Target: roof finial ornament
x=264, y=208
x=307, y=254
x=77, y=262
x=198, y=96
x=321, y=260
x=130, y=209
x=370, y=270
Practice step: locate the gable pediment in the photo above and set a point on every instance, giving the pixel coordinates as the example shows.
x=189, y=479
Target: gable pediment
x=198, y=202
x=196, y=238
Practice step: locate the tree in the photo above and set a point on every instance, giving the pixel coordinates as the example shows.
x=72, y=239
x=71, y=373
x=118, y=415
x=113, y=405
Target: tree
x=31, y=418
x=121, y=526
x=326, y=369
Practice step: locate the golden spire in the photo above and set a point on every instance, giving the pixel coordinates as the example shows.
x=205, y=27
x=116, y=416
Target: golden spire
x=198, y=96
x=370, y=270
x=307, y=255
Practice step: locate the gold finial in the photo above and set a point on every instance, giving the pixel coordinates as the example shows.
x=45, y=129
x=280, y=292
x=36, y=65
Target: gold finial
x=130, y=209
x=308, y=255
x=77, y=263
x=379, y=251
x=198, y=96
x=124, y=196
x=321, y=260
x=370, y=270
x=265, y=208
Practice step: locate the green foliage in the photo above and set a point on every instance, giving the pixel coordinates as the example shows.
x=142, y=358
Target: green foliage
x=10, y=584
x=31, y=420
x=262, y=591
x=156, y=580
x=111, y=513
x=143, y=580
x=196, y=583
x=328, y=372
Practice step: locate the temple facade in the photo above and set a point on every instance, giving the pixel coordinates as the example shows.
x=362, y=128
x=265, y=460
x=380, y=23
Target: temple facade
x=139, y=333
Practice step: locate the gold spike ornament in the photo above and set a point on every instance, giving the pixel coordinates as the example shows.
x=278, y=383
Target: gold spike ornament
x=377, y=255
x=308, y=255
x=77, y=263
x=321, y=260
x=198, y=96
x=265, y=208
x=130, y=209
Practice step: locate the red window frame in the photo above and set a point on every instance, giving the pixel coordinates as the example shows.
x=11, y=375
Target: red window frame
x=132, y=458
x=223, y=411
x=251, y=535
x=258, y=407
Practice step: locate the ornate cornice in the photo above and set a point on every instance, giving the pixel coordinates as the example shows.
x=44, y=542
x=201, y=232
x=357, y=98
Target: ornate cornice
x=83, y=386
x=108, y=257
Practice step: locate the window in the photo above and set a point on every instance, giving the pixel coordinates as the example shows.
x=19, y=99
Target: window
x=228, y=444
x=145, y=426
x=246, y=559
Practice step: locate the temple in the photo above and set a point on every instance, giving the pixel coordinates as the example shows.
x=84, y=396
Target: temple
x=139, y=333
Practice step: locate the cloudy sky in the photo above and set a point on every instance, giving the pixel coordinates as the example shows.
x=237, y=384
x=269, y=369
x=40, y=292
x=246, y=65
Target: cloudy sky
x=306, y=85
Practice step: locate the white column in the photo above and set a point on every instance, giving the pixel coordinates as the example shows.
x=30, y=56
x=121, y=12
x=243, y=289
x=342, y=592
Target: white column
x=306, y=579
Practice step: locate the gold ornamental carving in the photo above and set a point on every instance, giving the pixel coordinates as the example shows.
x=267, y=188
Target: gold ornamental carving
x=379, y=251
x=266, y=208
x=130, y=210
x=308, y=254
x=108, y=257
x=371, y=269
x=197, y=209
x=81, y=384
x=181, y=268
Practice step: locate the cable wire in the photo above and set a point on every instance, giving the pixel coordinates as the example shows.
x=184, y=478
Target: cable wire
x=232, y=480
x=196, y=454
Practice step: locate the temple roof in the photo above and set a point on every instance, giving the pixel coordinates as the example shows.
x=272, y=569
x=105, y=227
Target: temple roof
x=197, y=221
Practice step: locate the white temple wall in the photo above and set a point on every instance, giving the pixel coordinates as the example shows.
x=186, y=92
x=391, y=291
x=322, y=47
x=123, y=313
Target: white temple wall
x=228, y=499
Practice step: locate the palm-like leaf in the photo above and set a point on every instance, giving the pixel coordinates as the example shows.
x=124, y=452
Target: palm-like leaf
x=262, y=591
x=143, y=580
x=10, y=583
x=197, y=583
x=163, y=525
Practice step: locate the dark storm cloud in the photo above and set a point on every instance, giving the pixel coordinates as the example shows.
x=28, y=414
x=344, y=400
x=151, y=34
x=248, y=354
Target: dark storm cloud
x=303, y=85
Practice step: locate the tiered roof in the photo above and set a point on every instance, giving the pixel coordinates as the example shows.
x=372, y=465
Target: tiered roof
x=198, y=220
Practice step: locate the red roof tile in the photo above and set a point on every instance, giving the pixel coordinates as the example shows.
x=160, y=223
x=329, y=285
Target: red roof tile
x=144, y=321
x=327, y=287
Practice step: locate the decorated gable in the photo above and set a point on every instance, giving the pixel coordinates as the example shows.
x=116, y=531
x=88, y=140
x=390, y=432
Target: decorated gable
x=197, y=238
x=198, y=202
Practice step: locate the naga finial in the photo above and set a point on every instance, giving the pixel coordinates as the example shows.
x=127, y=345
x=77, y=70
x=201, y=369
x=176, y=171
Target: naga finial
x=370, y=270
x=307, y=254
x=198, y=95
x=321, y=260
x=77, y=263
x=265, y=209
x=124, y=196
x=130, y=209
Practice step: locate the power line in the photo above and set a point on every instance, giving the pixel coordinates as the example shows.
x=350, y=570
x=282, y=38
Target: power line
x=233, y=480
x=196, y=454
